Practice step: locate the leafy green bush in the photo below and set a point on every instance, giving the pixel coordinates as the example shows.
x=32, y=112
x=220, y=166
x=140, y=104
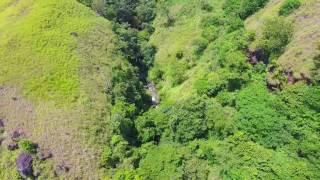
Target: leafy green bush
x=248, y=160
x=187, y=120
x=28, y=146
x=289, y=6
x=243, y=8
x=147, y=128
x=206, y=6
x=199, y=45
x=156, y=74
x=259, y=114
x=227, y=98
x=210, y=85
x=220, y=120
x=106, y=158
x=277, y=33
x=146, y=10
x=115, y=152
x=176, y=73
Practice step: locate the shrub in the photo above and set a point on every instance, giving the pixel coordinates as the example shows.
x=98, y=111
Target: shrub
x=206, y=6
x=148, y=52
x=28, y=146
x=99, y=6
x=187, y=120
x=277, y=33
x=243, y=8
x=227, y=98
x=106, y=158
x=156, y=74
x=220, y=120
x=176, y=72
x=147, y=129
x=146, y=10
x=210, y=33
x=289, y=6
x=259, y=114
x=179, y=54
x=199, y=45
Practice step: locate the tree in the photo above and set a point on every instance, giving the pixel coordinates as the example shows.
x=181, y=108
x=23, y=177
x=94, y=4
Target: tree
x=277, y=33
x=187, y=120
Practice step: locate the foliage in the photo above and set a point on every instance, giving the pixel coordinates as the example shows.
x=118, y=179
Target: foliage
x=259, y=116
x=172, y=161
x=277, y=33
x=243, y=8
x=289, y=6
x=187, y=120
x=28, y=146
x=146, y=10
x=248, y=160
x=177, y=72
x=217, y=118
x=199, y=45
x=7, y=164
x=115, y=152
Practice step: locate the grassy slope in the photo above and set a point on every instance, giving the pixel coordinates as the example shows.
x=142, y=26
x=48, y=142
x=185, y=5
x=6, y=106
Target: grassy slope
x=179, y=37
x=299, y=53
x=297, y=57
x=58, y=78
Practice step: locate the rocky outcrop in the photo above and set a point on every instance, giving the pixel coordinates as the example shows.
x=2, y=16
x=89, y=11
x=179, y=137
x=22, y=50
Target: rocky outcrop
x=24, y=165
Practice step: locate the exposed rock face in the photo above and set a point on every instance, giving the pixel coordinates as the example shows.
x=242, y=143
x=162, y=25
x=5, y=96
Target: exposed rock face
x=291, y=79
x=1, y=128
x=257, y=55
x=12, y=146
x=154, y=94
x=1, y=123
x=24, y=165
x=16, y=135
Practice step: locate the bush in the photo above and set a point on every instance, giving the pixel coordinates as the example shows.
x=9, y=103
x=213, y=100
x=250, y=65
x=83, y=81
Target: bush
x=147, y=129
x=220, y=120
x=156, y=74
x=99, y=6
x=289, y=6
x=148, y=52
x=210, y=33
x=187, y=120
x=206, y=6
x=115, y=152
x=28, y=146
x=176, y=72
x=243, y=8
x=277, y=33
x=210, y=85
x=146, y=10
x=199, y=45
x=259, y=114
x=106, y=158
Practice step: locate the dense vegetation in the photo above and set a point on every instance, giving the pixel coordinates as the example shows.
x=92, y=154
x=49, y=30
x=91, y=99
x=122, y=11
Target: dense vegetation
x=228, y=109
x=236, y=125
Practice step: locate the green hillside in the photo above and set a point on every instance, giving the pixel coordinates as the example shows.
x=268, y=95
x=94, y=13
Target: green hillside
x=56, y=59
x=160, y=89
